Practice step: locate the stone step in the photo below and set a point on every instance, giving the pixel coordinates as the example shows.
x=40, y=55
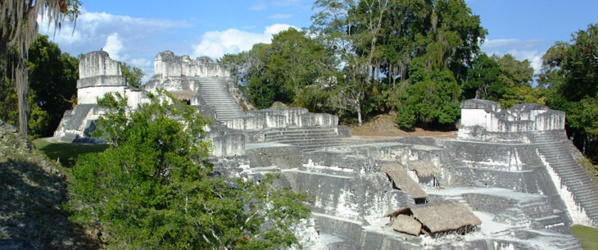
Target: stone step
x=572, y=175
x=215, y=93
x=300, y=135
x=300, y=138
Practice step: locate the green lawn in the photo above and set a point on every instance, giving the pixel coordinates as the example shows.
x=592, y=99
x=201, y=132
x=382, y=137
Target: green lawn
x=588, y=236
x=66, y=152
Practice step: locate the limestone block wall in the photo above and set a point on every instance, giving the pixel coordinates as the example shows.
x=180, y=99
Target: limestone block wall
x=486, y=120
x=227, y=145
x=97, y=69
x=167, y=64
x=135, y=97
x=98, y=75
x=281, y=118
x=98, y=63
x=91, y=94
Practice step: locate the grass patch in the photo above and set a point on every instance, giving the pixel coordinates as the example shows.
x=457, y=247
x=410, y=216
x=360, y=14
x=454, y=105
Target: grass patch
x=66, y=152
x=592, y=169
x=587, y=236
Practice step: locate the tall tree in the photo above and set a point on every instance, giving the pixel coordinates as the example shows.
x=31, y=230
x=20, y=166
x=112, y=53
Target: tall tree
x=570, y=73
x=371, y=38
x=53, y=85
x=337, y=25
x=517, y=77
x=280, y=70
x=483, y=80
x=18, y=29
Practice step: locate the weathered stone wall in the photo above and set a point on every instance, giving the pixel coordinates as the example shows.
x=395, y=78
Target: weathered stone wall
x=90, y=95
x=226, y=142
x=281, y=118
x=166, y=64
x=487, y=121
x=510, y=166
x=98, y=75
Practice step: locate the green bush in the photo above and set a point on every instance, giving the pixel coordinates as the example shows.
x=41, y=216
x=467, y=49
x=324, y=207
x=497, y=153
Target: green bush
x=152, y=188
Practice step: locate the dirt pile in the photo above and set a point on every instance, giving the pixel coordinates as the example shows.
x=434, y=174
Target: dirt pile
x=383, y=126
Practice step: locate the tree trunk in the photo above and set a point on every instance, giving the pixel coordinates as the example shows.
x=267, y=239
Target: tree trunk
x=22, y=86
x=359, y=119
x=358, y=109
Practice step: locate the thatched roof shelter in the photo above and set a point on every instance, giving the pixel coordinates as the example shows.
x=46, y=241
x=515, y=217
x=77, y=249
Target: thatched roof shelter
x=402, y=181
x=440, y=217
x=424, y=169
x=407, y=224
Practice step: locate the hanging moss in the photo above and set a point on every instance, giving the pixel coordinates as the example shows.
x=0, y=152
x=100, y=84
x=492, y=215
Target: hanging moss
x=18, y=30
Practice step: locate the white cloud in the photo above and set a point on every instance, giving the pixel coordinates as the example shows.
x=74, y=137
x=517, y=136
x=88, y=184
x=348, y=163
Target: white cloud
x=93, y=29
x=113, y=46
x=510, y=44
x=533, y=56
x=259, y=5
x=280, y=16
x=217, y=43
x=520, y=49
x=285, y=2
x=141, y=62
x=277, y=28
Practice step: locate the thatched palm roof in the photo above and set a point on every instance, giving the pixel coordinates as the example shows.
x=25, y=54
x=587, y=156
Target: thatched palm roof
x=440, y=217
x=407, y=224
x=402, y=180
x=424, y=169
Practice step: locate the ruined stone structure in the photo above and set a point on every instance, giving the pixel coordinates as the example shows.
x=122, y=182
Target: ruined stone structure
x=200, y=82
x=511, y=171
x=534, y=130
x=486, y=121
x=512, y=168
x=98, y=75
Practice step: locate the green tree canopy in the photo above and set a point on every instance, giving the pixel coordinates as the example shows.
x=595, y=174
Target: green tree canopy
x=570, y=74
x=278, y=71
x=53, y=88
x=133, y=75
x=53, y=79
x=153, y=187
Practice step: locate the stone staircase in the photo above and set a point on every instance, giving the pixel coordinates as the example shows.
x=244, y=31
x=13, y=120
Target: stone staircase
x=514, y=217
x=214, y=91
x=555, y=150
x=307, y=139
x=542, y=215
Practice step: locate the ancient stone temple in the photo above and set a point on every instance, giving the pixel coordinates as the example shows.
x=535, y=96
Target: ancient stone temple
x=534, y=130
x=508, y=180
x=199, y=82
x=98, y=75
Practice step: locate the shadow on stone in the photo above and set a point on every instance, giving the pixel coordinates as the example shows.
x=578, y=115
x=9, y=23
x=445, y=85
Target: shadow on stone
x=31, y=210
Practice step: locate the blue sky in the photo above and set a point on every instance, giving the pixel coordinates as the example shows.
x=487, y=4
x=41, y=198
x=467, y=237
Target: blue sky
x=134, y=31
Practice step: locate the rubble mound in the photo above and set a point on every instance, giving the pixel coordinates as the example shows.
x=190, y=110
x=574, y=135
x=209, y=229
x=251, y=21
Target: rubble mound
x=32, y=191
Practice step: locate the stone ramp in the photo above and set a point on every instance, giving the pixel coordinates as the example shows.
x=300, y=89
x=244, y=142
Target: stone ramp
x=309, y=139
x=214, y=91
x=584, y=190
